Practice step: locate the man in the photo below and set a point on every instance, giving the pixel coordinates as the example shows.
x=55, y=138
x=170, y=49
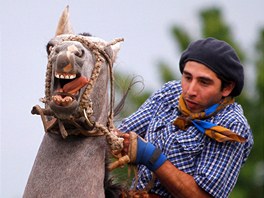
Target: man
x=197, y=138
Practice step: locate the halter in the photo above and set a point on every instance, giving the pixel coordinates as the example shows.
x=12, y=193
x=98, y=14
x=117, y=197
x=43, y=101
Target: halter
x=85, y=105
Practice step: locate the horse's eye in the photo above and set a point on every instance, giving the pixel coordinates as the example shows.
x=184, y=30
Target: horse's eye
x=49, y=48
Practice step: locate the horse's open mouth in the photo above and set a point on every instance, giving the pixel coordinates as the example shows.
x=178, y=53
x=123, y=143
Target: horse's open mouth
x=67, y=88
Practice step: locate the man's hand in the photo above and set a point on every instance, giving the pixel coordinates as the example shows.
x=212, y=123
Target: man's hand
x=148, y=154
x=126, y=141
x=141, y=151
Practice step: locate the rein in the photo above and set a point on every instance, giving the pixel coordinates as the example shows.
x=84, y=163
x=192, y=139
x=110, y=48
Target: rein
x=85, y=105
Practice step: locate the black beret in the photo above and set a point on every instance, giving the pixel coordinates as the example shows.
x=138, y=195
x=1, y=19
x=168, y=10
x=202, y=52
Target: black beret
x=218, y=56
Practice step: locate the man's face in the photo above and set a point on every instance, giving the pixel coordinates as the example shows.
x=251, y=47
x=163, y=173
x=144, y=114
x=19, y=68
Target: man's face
x=201, y=87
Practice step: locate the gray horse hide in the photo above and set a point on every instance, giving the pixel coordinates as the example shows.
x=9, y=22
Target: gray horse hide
x=75, y=166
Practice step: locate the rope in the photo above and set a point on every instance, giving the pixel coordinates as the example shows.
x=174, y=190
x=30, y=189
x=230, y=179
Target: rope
x=86, y=109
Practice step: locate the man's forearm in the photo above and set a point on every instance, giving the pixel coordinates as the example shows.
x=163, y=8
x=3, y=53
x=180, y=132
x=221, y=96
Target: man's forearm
x=178, y=183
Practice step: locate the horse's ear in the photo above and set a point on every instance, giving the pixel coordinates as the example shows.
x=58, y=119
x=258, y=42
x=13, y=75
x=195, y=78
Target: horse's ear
x=115, y=49
x=64, y=26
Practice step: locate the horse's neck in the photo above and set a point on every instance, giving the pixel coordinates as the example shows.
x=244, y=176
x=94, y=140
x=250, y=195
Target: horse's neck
x=75, y=166
x=72, y=167
x=68, y=168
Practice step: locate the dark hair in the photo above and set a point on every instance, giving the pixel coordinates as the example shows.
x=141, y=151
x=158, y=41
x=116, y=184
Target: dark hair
x=225, y=83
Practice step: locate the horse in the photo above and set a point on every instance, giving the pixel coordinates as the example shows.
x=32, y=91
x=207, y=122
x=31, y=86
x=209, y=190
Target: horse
x=77, y=117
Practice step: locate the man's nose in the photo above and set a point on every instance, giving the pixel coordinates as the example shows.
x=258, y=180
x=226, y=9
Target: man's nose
x=192, y=88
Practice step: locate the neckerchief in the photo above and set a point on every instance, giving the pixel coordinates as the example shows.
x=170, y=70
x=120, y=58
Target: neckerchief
x=218, y=133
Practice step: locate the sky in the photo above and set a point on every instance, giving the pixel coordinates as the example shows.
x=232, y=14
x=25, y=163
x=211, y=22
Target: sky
x=26, y=26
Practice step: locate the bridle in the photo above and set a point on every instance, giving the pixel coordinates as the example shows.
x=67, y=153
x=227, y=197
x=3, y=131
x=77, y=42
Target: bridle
x=85, y=106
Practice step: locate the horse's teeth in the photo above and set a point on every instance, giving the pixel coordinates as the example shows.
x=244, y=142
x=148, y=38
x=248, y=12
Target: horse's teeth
x=72, y=76
x=65, y=76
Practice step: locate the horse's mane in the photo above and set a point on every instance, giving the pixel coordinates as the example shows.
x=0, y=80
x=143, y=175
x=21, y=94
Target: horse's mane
x=125, y=91
x=85, y=34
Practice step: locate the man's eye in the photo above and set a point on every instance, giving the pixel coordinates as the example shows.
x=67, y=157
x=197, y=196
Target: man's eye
x=204, y=82
x=188, y=77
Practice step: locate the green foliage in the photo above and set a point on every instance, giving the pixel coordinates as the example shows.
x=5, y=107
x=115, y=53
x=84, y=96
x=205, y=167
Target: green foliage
x=260, y=65
x=213, y=25
x=166, y=74
x=130, y=87
x=183, y=37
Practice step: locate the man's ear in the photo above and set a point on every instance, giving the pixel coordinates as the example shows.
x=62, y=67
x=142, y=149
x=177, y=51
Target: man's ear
x=228, y=89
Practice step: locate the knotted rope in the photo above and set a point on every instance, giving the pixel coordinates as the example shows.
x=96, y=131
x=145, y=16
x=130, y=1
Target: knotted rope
x=98, y=49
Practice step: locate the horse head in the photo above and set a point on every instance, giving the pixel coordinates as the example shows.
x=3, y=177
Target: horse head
x=77, y=105
x=74, y=100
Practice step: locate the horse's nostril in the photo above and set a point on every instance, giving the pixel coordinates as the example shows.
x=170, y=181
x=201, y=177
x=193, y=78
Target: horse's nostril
x=63, y=63
x=79, y=53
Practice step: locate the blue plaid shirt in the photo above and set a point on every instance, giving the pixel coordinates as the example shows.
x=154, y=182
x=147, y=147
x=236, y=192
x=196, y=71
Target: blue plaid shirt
x=214, y=166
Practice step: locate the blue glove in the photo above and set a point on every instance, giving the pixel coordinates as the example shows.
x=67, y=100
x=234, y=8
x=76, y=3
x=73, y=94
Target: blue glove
x=149, y=155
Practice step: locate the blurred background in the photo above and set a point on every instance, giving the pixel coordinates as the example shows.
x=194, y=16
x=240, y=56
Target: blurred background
x=155, y=34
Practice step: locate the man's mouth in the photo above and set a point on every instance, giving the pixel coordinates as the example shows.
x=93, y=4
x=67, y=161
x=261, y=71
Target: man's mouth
x=192, y=106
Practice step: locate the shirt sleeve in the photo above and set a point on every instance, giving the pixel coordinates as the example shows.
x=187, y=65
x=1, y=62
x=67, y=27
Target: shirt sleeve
x=139, y=121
